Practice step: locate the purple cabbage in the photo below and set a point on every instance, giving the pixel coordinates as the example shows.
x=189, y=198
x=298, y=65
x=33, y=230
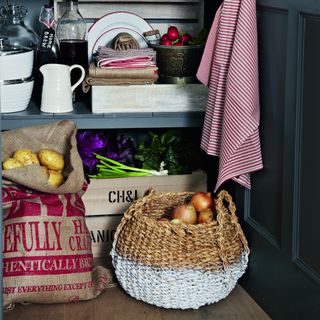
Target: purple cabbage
x=108, y=144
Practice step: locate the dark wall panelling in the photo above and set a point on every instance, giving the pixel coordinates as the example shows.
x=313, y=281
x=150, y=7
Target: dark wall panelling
x=264, y=214
x=307, y=218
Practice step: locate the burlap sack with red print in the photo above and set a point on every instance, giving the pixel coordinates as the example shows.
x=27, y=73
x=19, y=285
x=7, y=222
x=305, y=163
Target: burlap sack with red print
x=47, y=256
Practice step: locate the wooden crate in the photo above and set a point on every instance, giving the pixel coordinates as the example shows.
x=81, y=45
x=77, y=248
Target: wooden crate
x=107, y=199
x=187, y=15
x=114, y=196
x=149, y=98
x=102, y=230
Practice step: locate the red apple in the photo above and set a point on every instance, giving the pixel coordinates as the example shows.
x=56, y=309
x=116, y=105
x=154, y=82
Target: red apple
x=173, y=33
x=185, y=213
x=178, y=44
x=205, y=216
x=165, y=42
x=164, y=37
x=185, y=38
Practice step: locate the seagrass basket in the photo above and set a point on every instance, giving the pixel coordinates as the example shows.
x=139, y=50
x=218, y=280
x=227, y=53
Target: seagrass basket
x=178, y=266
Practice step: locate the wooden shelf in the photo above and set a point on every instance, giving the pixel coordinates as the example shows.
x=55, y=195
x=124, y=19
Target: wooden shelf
x=85, y=119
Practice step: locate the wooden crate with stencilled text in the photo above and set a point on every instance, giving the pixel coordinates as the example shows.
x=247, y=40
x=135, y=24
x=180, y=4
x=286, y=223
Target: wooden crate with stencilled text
x=107, y=199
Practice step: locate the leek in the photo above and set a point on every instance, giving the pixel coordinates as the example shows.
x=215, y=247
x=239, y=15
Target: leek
x=109, y=168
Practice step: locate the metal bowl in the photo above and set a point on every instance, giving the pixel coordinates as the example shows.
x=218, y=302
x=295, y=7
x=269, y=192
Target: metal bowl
x=178, y=63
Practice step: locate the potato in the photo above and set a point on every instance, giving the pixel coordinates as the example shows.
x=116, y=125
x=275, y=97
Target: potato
x=26, y=156
x=56, y=179
x=11, y=163
x=51, y=159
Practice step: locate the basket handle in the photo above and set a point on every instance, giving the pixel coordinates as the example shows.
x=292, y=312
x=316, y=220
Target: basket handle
x=130, y=212
x=224, y=195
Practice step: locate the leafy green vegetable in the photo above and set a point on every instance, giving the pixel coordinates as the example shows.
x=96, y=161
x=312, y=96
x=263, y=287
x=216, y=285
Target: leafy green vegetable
x=175, y=148
x=201, y=38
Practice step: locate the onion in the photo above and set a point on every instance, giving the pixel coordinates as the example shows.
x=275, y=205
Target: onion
x=185, y=213
x=201, y=201
x=205, y=216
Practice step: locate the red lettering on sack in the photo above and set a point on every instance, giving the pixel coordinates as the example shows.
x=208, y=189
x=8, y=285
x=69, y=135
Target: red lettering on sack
x=75, y=206
x=21, y=208
x=27, y=236
x=44, y=265
x=53, y=204
x=80, y=243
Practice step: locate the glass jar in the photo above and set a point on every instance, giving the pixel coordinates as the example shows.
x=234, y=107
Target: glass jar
x=14, y=28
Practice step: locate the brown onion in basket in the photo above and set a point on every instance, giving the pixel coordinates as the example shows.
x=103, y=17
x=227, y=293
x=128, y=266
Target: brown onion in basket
x=185, y=213
x=201, y=201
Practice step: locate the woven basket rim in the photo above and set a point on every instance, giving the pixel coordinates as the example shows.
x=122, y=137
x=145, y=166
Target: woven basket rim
x=139, y=214
x=142, y=238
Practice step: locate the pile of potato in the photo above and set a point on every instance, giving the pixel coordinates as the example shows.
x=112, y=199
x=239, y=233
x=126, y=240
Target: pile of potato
x=51, y=161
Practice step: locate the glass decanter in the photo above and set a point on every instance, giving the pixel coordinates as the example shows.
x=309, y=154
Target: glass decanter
x=13, y=26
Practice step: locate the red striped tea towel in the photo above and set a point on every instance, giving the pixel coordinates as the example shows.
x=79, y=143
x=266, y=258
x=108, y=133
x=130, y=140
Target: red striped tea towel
x=132, y=58
x=229, y=67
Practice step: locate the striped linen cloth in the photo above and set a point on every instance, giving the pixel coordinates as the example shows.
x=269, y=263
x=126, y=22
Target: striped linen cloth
x=229, y=66
x=131, y=58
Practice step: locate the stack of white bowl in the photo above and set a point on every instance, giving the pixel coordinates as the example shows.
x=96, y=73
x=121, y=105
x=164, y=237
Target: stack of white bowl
x=16, y=80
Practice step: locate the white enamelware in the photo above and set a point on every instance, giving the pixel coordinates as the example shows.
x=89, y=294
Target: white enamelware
x=16, y=62
x=15, y=95
x=105, y=39
x=117, y=19
x=57, y=90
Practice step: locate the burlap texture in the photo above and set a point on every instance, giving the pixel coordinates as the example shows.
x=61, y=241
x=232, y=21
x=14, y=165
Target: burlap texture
x=126, y=73
x=59, y=136
x=47, y=253
x=89, y=81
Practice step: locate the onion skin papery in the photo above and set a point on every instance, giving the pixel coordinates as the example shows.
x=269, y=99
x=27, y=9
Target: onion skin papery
x=201, y=201
x=186, y=213
x=205, y=216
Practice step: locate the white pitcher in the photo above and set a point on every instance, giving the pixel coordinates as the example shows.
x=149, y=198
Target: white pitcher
x=57, y=90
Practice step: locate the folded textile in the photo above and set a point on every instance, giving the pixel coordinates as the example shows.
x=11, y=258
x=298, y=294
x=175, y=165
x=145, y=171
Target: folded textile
x=132, y=73
x=132, y=58
x=91, y=81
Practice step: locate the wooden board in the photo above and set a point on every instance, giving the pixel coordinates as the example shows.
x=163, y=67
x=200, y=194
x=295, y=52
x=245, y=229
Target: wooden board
x=114, y=196
x=149, y=98
x=187, y=15
x=116, y=304
x=102, y=230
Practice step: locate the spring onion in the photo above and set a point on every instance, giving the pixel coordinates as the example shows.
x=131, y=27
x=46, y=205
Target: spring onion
x=109, y=168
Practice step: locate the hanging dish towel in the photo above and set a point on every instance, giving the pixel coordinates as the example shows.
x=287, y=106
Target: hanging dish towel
x=229, y=66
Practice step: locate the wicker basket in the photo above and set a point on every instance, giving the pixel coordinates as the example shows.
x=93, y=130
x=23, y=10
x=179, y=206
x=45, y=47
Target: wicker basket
x=178, y=266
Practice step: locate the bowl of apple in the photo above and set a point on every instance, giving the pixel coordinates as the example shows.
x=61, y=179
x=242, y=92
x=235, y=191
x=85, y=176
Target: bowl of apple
x=178, y=56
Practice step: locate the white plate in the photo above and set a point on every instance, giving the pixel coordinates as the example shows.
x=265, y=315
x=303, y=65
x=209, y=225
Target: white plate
x=117, y=19
x=106, y=38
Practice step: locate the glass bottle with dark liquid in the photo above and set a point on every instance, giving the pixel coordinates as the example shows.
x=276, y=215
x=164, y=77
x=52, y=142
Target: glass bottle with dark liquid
x=73, y=46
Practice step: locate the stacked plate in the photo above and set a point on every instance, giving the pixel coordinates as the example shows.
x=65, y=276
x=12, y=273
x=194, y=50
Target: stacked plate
x=105, y=29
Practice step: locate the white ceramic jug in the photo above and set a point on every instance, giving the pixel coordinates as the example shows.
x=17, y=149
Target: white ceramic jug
x=57, y=90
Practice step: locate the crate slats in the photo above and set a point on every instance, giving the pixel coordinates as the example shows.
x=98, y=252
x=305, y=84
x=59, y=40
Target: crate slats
x=186, y=14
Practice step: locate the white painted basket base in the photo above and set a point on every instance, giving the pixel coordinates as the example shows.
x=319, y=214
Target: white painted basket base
x=177, y=289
